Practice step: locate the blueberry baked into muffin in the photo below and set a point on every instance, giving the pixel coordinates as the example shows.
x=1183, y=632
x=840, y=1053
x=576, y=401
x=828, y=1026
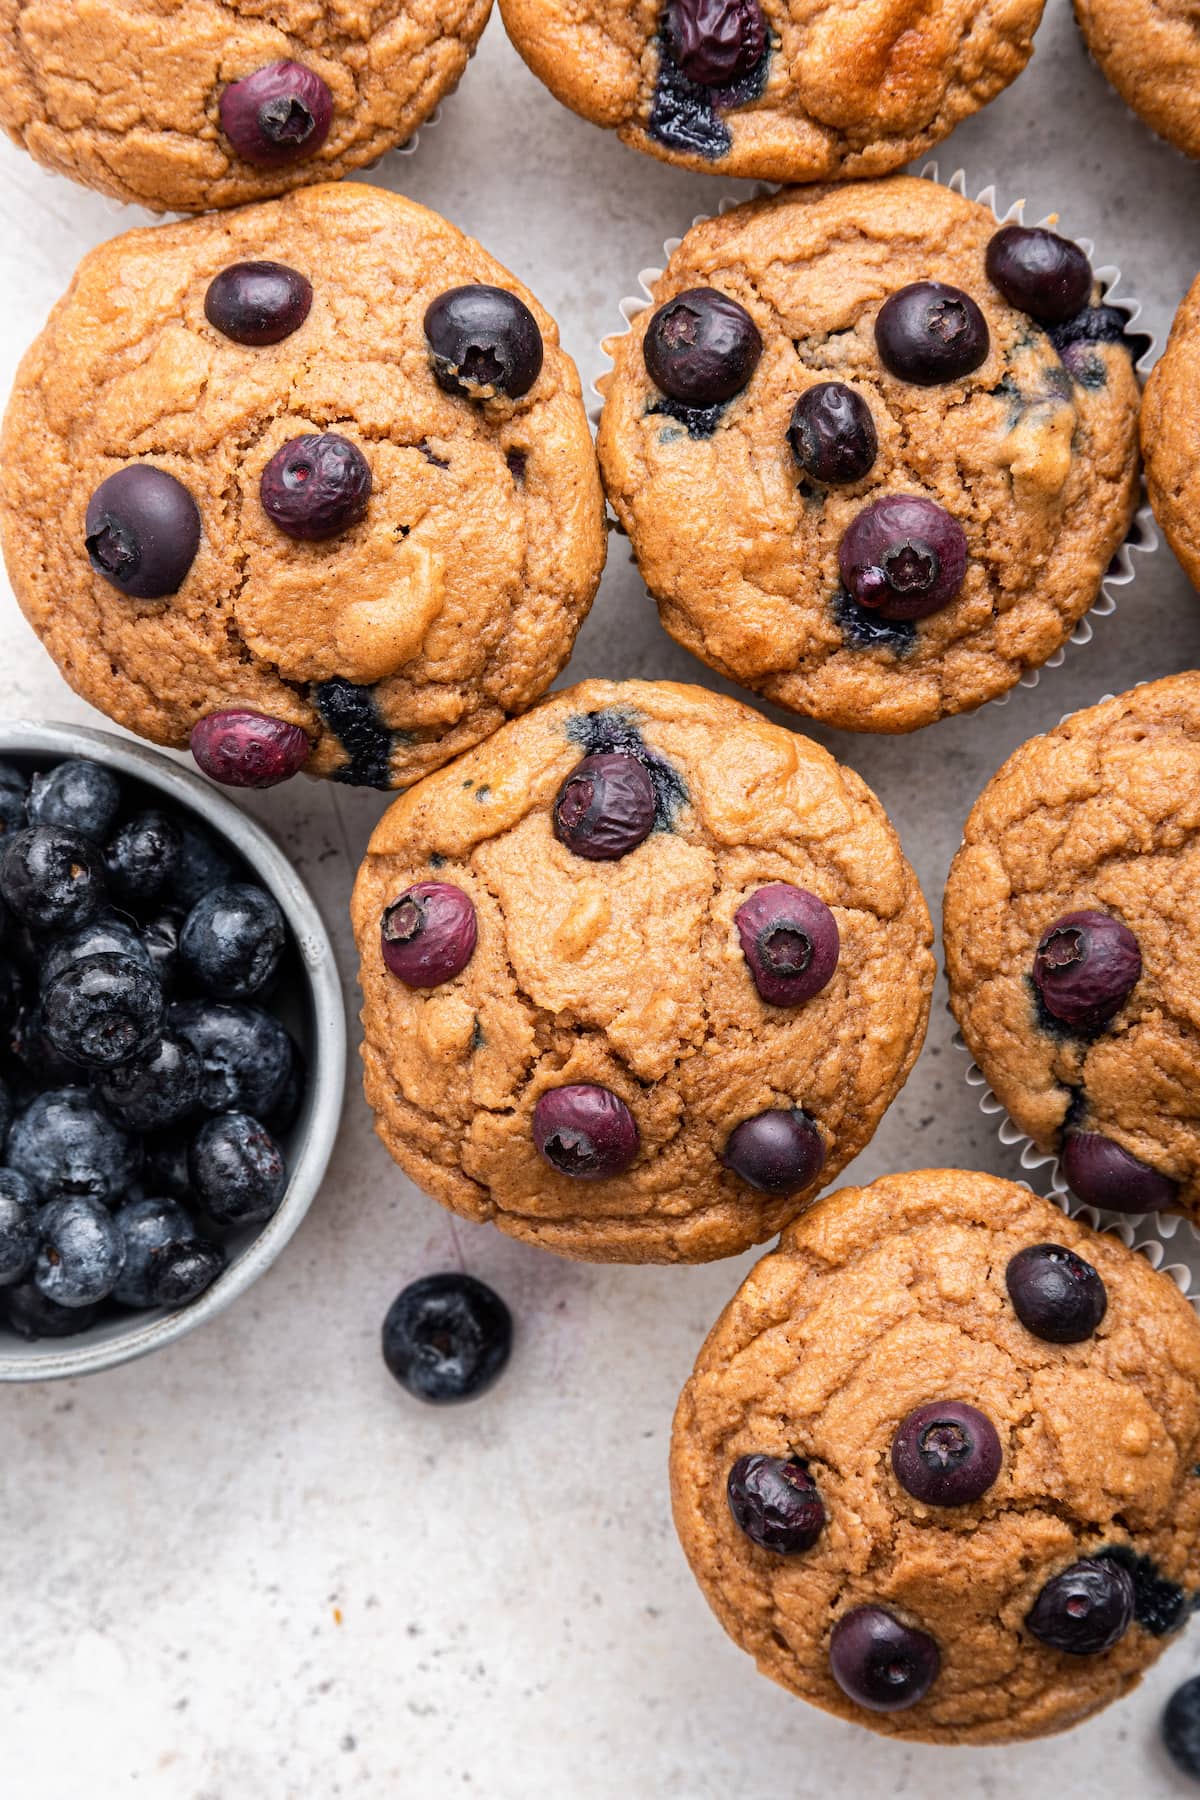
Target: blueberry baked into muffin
x=1171, y=435
x=199, y=103
x=1150, y=52
x=936, y=1466
x=874, y=451
x=1073, y=951
x=756, y=88
x=310, y=483
x=640, y=974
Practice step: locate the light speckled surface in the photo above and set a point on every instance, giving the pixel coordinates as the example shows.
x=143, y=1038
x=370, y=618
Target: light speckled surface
x=516, y=1619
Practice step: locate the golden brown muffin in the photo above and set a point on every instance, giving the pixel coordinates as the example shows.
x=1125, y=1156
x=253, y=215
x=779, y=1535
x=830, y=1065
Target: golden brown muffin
x=1150, y=51
x=1171, y=435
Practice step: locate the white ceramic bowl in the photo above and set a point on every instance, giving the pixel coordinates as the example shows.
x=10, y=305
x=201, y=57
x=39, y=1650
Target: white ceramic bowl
x=315, y=1015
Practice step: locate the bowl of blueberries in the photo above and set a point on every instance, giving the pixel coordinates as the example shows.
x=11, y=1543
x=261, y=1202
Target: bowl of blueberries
x=172, y=1050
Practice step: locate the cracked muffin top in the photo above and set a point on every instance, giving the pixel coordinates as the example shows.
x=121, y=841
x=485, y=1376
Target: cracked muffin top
x=311, y=482
x=874, y=452
x=640, y=974
x=1072, y=949
x=1171, y=435
x=803, y=92
x=181, y=105
x=1150, y=51
x=935, y=1469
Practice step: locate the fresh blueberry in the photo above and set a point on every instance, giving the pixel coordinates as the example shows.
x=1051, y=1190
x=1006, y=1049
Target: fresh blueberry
x=160, y=941
x=237, y=1169
x=203, y=865
x=1056, y=1295
x=774, y=1500
x=147, y=1229
x=484, y=341
x=18, y=1227
x=1181, y=1727
x=903, y=557
x=777, y=1152
x=881, y=1663
x=316, y=486
x=1087, y=965
x=929, y=333
x=946, y=1453
x=585, y=1131
x=67, y=1148
x=142, y=531
x=142, y=859
x=103, y=1010
x=232, y=941
x=715, y=42
x=428, y=934
x=257, y=302
x=446, y=1338
x=1085, y=1610
x=184, y=1271
x=29, y=1314
x=248, y=749
x=605, y=807
x=14, y=795
x=108, y=934
x=279, y=114
x=790, y=941
x=52, y=878
x=80, y=795
x=245, y=1055
x=80, y=1252
x=1042, y=274
x=701, y=348
x=156, y=1089
x=832, y=433
x=1102, y=1173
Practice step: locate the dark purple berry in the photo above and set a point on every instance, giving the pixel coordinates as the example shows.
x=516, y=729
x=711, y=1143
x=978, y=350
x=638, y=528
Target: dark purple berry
x=108, y=934
x=142, y=531
x=1104, y=1174
x=182, y=1272
x=701, y=348
x=257, y=302
x=447, y=1338
x=248, y=749
x=160, y=942
x=52, y=879
x=203, y=864
x=946, y=1453
x=1085, y=1610
x=1056, y=1295
x=605, y=807
x=777, y=1152
x=428, y=934
x=147, y=1228
x=484, y=341
x=903, y=557
x=142, y=859
x=232, y=941
x=316, y=486
x=80, y=1252
x=585, y=1131
x=18, y=1227
x=790, y=941
x=1181, y=1727
x=237, y=1169
x=280, y=113
x=245, y=1055
x=1086, y=966
x=715, y=42
x=29, y=1314
x=80, y=795
x=880, y=1663
x=155, y=1090
x=1042, y=274
x=103, y=1010
x=929, y=333
x=66, y=1147
x=832, y=433
x=775, y=1502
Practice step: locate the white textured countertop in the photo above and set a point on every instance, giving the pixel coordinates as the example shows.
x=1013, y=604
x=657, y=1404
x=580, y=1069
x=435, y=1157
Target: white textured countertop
x=250, y=1568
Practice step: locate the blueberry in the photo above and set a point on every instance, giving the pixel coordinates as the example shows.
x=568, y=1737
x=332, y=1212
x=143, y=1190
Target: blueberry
x=142, y=859
x=232, y=941
x=701, y=348
x=165, y=1166
x=585, y=1131
x=715, y=42
x=18, y=1227
x=946, y=1453
x=160, y=942
x=1104, y=1174
x=142, y=531
x=80, y=1252
x=903, y=557
x=1042, y=274
x=446, y=1338
x=605, y=807
x=775, y=1502
x=14, y=794
x=156, y=1089
x=51, y=878
x=1056, y=1295
x=428, y=934
x=80, y=795
x=237, y=1169
x=108, y=934
x=67, y=1148
x=103, y=1010
x=777, y=1152
x=248, y=749
x=316, y=486
x=881, y=1663
x=245, y=1055
x=29, y=1314
x=1086, y=966
x=1181, y=1727
x=1085, y=1610
x=832, y=433
x=257, y=302
x=929, y=333
x=184, y=1271
x=42, y=1064
x=279, y=114
x=203, y=865
x=790, y=941
x=147, y=1229
x=484, y=341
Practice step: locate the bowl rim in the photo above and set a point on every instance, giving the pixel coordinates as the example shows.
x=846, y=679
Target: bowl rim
x=55, y=1359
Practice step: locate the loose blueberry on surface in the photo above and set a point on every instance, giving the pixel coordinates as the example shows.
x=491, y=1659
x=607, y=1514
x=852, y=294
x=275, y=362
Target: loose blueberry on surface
x=80, y=795
x=316, y=486
x=1086, y=966
x=245, y=1054
x=142, y=531
x=232, y=941
x=1057, y=1296
x=52, y=879
x=484, y=341
x=248, y=749
x=903, y=557
x=774, y=1500
x=1045, y=275
x=790, y=941
x=141, y=860
x=66, y=1147
x=257, y=302
x=1104, y=1174
x=929, y=333
x=237, y=1169
x=1085, y=1610
x=946, y=1453
x=29, y=1314
x=701, y=348
x=777, y=1152
x=103, y=1010
x=880, y=1663
x=147, y=1228
x=108, y=934
x=80, y=1252
x=715, y=42
x=279, y=114
x=1181, y=1727
x=14, y=797
x=202, y=865
x=154, y=1090
x=832, y=433
x=18, y=1227
x=160, y=942
x=585, y=1131
x=447, y=1338
x=428, y=934
x=183, y=1272
x=605, y=807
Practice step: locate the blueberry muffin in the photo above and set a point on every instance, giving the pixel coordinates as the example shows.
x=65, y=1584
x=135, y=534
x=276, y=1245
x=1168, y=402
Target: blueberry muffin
x=310, y=482
x=935, y=1468
x=1150, y=51
x=1171, y=436
x=874, y=452
x=739, y=87
x=640, y=975
x=199, y=103
x=1073, y=949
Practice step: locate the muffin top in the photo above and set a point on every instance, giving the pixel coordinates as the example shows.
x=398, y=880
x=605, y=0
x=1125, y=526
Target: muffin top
x=640, y=974
x=1171, y=434
x=203, y=103
x=784, y=93
x=335, y=529
x=830, y=384
x=932, y=1489
x=1072, y=947
x=1150, y=51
